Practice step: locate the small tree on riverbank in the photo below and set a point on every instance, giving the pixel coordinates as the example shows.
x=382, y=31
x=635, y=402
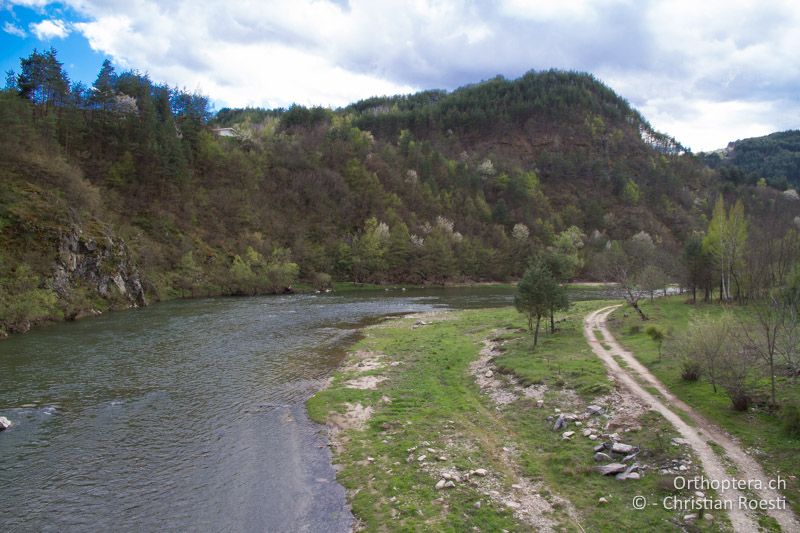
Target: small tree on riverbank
x=657, y=335
x=538, y=293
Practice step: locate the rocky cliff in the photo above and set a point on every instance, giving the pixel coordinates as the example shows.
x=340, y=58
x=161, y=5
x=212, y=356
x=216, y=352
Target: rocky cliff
x=103, y=264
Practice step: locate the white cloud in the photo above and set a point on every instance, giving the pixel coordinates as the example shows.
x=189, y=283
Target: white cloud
x=546, y=10
x=39, y=4
x=49, y=29
x=705, y=72
x=14, y=30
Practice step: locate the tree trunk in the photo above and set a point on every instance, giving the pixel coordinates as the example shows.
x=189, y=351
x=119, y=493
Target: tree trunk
x=639, y=310
x=536, y=332
x=772, y=379
x=694, y=295
x=552, y=321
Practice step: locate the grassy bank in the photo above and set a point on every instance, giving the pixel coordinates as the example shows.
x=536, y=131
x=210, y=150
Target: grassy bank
x=429, y=406
x=758, y=429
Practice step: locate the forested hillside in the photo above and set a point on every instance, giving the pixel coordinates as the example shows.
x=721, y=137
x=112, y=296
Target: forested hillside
x=775, y=158
x=131, y=191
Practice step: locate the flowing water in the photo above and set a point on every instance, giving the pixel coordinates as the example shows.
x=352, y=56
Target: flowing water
x=186, y=415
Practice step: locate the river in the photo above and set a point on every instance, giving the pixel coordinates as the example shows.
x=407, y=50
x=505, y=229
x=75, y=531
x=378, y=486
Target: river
x=186, y=415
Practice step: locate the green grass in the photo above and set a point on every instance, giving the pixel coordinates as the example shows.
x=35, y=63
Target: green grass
x=758, y=430
x=434, y=399
x=563, y=360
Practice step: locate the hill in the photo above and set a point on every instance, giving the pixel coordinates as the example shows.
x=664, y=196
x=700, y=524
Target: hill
x=774, y=157
x=130, y=191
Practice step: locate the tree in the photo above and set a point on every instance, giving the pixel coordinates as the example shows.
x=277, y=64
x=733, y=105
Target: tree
x=789, y=338
x=615, y=264
x=538, y=293
x=279, y=271
x=241, y=276
x=699, y=267
x=103, y=90
x=725, y=241
x=368, y=251
x=657, y=335
x=42, y=79
x=188, y=274
x=737, y=375
x=765, y=335
x=398, y=252
x=564, y=260
x=708, y=340
x=652, y=279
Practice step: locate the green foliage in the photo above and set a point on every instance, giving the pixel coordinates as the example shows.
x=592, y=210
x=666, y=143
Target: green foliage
x=424, y=188
x=690, y=370
x=775, y=157
x=726, y=242
x=657, y=334
x=23, y=302
x=321, y=280
x=279, y=271
x=254, y=274
x=760, y=427
x=630, y=192
x=790, y=416
x=539, y=294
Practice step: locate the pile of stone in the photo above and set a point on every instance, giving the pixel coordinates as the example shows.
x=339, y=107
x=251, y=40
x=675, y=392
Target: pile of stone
x=613, y=451
x=617, y=456
x=426, y=457
x=449, y=480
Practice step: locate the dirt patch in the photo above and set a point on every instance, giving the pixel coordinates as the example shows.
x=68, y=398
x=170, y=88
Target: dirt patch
x=535, y=392
x=428, y=315
x=503, y=486
x=511, y=489
x=622, y=410
x=355, y=417
x=364, y=361
x=502, y=389
x=365, y=382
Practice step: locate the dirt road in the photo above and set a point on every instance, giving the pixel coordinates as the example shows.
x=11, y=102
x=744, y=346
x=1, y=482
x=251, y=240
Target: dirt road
x=699, y=434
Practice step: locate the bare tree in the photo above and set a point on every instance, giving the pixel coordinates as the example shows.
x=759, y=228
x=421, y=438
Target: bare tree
x=737, y=375
x=708, y=341
x=624, y=264
x=762, y=334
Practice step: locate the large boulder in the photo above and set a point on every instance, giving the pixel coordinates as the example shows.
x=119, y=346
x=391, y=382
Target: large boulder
x=594, y=409
x=613, y=468
x=624, y=449
x=629, y=473
x=5, y=423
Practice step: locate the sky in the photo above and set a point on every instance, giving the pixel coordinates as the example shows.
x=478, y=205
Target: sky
x=704, y=71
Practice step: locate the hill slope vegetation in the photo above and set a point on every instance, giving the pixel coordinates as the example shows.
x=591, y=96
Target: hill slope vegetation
x=131, y=191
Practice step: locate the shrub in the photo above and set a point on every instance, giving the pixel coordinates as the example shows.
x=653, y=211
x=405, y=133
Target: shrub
x=321, y=280
x=791, y=420
x=740, y=400
x=690, y=370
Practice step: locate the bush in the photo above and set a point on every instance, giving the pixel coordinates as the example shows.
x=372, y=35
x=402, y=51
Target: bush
x=690, y=370
x=321, y=280
x=791, y=420
x=740, y=400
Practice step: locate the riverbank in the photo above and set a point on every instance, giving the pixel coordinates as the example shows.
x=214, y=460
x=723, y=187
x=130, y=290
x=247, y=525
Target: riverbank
x=445, y=422
x=100, y=307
